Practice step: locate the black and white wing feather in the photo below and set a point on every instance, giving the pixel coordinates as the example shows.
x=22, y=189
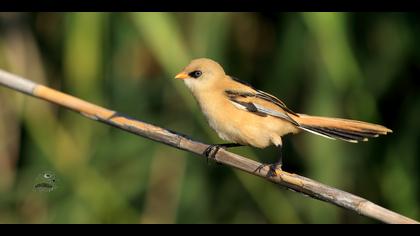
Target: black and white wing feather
x=260, y=103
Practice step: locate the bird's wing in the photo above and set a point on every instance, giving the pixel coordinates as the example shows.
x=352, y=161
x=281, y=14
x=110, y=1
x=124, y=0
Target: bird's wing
x=260, y=103
x=270, y=98
x=265, y=96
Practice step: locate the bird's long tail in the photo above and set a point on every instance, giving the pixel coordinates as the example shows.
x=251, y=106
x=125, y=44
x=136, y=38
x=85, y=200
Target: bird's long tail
x=335, y=128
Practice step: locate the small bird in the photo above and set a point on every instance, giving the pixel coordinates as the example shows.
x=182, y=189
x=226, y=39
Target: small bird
x=244, y=115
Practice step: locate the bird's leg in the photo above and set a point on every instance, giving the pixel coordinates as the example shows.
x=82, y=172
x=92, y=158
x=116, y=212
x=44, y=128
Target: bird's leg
x=275, y=169
x=212, y=150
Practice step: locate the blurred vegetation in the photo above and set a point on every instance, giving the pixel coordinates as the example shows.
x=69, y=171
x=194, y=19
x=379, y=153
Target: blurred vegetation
x=360, y=66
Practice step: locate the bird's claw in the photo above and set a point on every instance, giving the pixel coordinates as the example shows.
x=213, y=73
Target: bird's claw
x=275, y=169
x=211, y=151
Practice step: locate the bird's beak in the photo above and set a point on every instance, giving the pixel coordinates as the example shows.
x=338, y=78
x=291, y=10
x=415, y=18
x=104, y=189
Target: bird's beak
x=181, y=75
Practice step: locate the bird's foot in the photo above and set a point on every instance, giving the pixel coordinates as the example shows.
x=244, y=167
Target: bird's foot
x=211, y=151
x=275, y=169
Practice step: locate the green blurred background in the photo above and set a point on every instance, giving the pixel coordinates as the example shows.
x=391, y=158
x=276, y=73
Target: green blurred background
x=359, y=66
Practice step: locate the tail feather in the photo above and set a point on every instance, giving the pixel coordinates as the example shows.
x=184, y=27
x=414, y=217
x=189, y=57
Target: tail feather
x=336, y=128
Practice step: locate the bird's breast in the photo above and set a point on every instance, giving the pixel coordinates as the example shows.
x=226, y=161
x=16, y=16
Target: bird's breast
x=233, y=124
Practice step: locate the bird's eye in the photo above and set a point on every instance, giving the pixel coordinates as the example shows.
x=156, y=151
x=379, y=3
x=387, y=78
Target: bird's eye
x=195, y=74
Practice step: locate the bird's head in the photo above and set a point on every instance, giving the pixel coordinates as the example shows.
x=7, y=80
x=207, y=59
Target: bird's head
x=201, y=74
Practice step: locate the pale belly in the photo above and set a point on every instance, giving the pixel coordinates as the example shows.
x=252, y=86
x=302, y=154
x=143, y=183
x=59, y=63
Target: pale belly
x=246, y=128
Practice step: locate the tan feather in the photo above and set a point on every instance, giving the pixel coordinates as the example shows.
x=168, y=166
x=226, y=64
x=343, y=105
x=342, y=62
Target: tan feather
x=344, y=129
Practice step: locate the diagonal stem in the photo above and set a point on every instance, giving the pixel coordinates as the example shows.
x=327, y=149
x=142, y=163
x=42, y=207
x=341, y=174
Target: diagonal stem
x=291, y=181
